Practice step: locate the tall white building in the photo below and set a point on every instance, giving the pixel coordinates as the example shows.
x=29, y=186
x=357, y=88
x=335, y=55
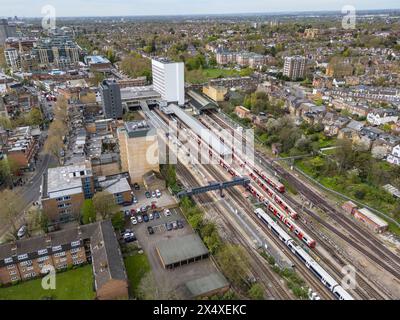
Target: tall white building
x=169, y=80
x=294, y=67
x=12, y=58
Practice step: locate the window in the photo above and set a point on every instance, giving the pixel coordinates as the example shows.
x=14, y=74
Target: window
x=8, y=260
x=14, y=278
x=75, y=243
x=76, y=262
x=26, y=263
x=42, y=252
x=63, y=266
x=57, y=248
x=72, y=251
x=60, y=254
x=11, y=266
x=13, y=273
x=63, y=259
x=41, y=259
x=23, y=256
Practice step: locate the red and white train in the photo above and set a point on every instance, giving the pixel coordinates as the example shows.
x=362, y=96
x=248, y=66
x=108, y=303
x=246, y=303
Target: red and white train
x=285, y=217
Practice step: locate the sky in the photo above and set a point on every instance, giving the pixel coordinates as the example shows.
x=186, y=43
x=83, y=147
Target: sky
x=69, y=8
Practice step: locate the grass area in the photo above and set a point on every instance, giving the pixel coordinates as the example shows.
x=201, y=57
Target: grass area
x=201, y=76
x=76, y=284
x=136, y=266
x=368, y=194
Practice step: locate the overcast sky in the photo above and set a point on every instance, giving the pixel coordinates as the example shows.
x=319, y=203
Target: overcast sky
x=33, y=8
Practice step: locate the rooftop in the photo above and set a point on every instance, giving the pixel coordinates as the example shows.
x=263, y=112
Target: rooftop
x=135, y=93
x=180, y=249
x=206, y=284
x=66, y=180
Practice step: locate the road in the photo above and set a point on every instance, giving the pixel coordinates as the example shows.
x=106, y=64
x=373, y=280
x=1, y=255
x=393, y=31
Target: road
x=30, y=192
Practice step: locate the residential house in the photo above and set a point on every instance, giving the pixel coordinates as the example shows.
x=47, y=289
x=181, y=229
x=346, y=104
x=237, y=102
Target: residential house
x=394, y=157
x=384, y=145
x=378, y=117
x=242, y=112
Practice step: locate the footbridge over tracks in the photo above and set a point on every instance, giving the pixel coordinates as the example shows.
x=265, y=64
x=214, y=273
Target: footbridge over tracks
x=237, y=181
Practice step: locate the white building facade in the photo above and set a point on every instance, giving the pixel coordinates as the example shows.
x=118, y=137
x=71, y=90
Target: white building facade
x=169, y=80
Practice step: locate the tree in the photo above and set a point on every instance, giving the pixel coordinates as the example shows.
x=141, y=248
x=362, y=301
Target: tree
x=88, y=212
x=9, y=203
x=344, y=154
x=136, y=66
x=234, y=263
x=5, y=123
x=104, y=204
x=35, y=117
x=53, y=146
x=256, y=292
x=118, y=221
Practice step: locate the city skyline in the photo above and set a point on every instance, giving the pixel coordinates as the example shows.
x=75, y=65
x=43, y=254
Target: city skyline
x=179, y=7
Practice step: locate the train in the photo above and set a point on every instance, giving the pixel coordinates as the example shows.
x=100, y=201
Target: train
x=304, y=257
x=287, y=221
x=289, y=212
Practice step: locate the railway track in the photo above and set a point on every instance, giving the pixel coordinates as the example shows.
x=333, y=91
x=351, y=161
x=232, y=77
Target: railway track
x=364, y=289
x=259, y=270
x=239, y=199
x=386, y=258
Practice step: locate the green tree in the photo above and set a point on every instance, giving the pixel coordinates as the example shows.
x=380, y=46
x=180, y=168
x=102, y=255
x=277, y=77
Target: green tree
x=104, y=204
x=118, y=221
x=256, y=292
x=88, y=212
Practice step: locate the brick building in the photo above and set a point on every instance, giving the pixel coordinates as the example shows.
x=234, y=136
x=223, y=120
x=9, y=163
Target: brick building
x=93, y=243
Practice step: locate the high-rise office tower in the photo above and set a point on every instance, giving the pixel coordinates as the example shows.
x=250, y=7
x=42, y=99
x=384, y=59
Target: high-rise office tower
x=169, y=80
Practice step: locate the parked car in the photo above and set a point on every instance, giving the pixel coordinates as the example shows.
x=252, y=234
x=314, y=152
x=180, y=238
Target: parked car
x=133, y=211
x=156, y=215
x=167, y=213
x=153, y=194
x=143, y=208
x=134, y=200
x=168, y=226
x=151, y=216
x=153, y=205
x=139, y=218
x=180, y=224
x=136, y=186
x=147, y=194
x=129, y=236
x=174, y=225
x=127, y=213
x=150, y=230
x=134, y=220
x=22, y=231
x=158, y=193
x=146, y=218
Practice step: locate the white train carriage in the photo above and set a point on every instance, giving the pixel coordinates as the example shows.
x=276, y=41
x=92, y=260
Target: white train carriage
x=304, y=257
x=341, y=294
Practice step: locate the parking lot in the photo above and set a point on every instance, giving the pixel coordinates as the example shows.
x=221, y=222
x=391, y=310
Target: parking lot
x=165, y=201
x=169, y=282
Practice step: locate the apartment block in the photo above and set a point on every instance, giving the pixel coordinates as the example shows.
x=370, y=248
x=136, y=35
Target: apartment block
x=64, y=189
x=294, y=67
x=93, y=243
x=138, y=143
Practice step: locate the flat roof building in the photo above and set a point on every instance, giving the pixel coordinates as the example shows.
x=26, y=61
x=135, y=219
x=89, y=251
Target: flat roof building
x=169, y=79
x=111, y=99
x=138, y=143
x=180, y=251
x=207, y=286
